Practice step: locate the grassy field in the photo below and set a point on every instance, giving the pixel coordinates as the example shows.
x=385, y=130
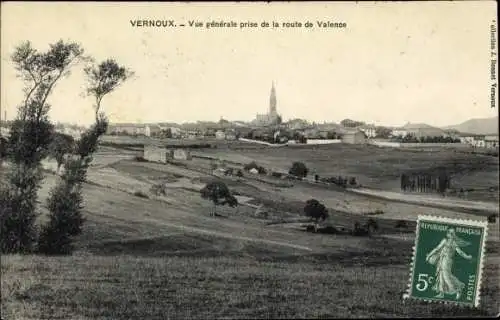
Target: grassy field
x=166, y=258
x=376, y=167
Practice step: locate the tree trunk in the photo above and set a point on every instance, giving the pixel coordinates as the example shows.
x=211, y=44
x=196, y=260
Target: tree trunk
x=316, y=226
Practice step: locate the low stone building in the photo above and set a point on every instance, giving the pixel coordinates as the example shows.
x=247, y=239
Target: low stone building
x=156, y=154
x=181, y=154
x=354, y=137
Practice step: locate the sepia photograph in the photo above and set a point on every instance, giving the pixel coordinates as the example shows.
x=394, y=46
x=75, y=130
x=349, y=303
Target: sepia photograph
x=249, y=160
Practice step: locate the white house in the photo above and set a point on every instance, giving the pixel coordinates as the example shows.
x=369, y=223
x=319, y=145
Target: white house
x=181, y=154
x=369, y=130
x=491, y=141
x=220, y=135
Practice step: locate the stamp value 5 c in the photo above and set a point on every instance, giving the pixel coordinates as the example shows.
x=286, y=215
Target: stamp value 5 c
x=448, y=260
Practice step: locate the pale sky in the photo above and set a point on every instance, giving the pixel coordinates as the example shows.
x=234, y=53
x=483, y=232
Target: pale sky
x=395, y=62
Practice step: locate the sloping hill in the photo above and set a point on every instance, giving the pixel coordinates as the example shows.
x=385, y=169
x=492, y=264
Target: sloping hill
x=477, y=126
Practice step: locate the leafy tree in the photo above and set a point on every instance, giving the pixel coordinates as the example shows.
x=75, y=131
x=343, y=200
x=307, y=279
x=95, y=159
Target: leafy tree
x=3, y=147
x=382, y=132
x=65, y=201
x=316, y=211
x=352, y=181
x=298, y=169
x=348, y=123
x=30, y=137
x=219, y=194
x=332, y=135
x=61, y=145
x=167, y=133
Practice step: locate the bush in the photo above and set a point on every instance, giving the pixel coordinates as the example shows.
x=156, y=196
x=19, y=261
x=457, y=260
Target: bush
x=159, y=189
x=492, y=218
x=140, y=159
x=239, y=173
x=352, y=181
x=377, y=211
x=17, y=225
x=359, y=230
x=298, y=169
x=401, y=224
x=3, y=147
x=254, y=165
x=141, y=194
x=276, y=174
x=366, y=230
x=371, y=224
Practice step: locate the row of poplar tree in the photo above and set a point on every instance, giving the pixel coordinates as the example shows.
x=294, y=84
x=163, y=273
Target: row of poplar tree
x=419, y=182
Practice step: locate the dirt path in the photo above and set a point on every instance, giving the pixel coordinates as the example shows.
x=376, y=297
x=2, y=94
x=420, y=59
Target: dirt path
x=428, y=200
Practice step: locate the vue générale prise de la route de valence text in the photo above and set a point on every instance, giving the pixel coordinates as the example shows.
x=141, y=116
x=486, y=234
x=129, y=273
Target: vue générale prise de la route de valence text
x=169, y=23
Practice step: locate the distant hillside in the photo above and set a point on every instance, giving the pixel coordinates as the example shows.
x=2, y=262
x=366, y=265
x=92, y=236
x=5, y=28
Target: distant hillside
x=477, y=126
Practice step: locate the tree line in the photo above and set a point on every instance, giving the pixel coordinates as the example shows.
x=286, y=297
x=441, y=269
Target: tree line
x=33, y=138
x=420, y=182
x=411, y=138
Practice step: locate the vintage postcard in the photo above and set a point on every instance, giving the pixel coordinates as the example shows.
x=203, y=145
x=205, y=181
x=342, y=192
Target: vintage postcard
x=227, y=160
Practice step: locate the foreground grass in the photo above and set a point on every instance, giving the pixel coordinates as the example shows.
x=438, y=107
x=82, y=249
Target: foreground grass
x=130, y=287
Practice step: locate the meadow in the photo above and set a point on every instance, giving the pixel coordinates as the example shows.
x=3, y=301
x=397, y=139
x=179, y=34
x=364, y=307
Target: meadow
x=164, y=257
x=376, y=167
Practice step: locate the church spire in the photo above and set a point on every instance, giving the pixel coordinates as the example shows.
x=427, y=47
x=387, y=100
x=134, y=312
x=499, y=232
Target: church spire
x=272, y=100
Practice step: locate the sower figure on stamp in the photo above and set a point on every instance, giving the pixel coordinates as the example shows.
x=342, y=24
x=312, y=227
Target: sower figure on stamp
x=442, y=257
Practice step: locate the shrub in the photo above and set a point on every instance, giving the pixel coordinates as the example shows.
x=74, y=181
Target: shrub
x=254, y=165
x=140, y=159
x=298, y=169
x=371, y=224
x=141, y=194
x=401, y=224
x=352, y=181
x=18, y=230
x=159, y=189
x=329, y=230
x=359, y=230
x=492, y=218
x=239, y=173
x=65, y=221
x=3, y=147
x=276, y=174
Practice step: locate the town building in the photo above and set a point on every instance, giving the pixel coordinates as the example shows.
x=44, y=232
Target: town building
x=220, y=135
x=369, y=130
x=162, y=155
x=181, y=154
x=491, y=141
x=354, y=137
x=418, y=130
x=272, y=116
x=152, y=130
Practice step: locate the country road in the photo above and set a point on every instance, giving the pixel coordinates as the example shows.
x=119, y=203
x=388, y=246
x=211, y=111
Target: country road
x=430, y=201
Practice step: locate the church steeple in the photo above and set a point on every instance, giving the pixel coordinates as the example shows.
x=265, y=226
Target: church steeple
x=272, y=101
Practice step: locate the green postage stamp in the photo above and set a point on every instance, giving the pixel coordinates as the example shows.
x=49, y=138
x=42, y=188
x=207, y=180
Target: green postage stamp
x=447, y=260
